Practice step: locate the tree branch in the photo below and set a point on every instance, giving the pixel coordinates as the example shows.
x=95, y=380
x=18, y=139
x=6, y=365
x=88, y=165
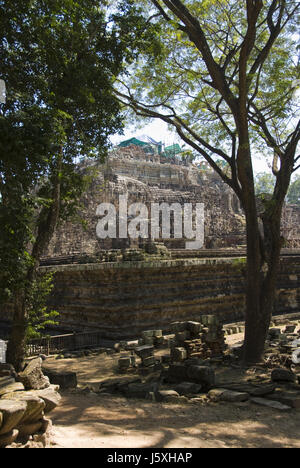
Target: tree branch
x=275, y=30
x=161, y=10
x=197, y=36
x=179, y=125
x=48, y=217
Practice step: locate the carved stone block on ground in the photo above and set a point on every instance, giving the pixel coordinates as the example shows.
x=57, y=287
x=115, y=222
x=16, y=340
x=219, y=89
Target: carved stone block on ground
x=12, y=413
x=283, y=375
x=32, y=377
x=8, y=438
x=270, y=404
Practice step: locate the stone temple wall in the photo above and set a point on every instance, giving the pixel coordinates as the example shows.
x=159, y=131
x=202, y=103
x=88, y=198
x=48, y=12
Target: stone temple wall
x=122, y=299
x=144, y=178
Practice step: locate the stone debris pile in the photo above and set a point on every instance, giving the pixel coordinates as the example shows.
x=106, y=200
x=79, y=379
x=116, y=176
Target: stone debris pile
x=147, y=364
x=187, y=372
x=283, y=346
x=203, y=339
x=25, y=401
x=143, y=349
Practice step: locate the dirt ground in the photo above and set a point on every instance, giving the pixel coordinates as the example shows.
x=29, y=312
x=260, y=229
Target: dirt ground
x=106, y=421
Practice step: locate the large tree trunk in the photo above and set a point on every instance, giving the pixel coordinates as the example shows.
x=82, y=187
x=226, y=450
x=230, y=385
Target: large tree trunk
x=261, y=286
x=46, y=225
x=16, y=346
x=254, y=338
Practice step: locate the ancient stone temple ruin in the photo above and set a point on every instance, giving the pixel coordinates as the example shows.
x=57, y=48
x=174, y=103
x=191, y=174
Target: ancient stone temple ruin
x=121, y=287
x=145, y=177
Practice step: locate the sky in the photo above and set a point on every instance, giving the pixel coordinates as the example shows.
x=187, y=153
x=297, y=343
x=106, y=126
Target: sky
x=159, y=131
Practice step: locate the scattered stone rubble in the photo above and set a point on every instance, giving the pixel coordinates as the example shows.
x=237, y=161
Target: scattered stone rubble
x=202, y=339
x=85, y=352
x=187, y=372
x=26, y=399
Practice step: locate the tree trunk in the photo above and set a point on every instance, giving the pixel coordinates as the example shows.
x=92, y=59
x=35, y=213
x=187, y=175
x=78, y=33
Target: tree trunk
x=261, y=288
x=16, y=346
x=47, y=222
x=254, y=338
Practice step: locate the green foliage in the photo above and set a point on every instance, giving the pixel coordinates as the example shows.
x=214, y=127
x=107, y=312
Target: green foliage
x=264, y=183
x=239, y=262
x=59, y=60
x=175, y=80
x=16, y=234
x=294, y=191
x=39, y=315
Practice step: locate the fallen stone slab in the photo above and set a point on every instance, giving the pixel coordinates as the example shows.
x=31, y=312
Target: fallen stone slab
x=8, y=438
x=12, y=387
x=252, y=389
x=187, y=388
x=30, y=428
x=50, y=397
x=199, y=400
x=270, y=404
x=65, y=380
x=117, y=384
x=283, y=375
x=12, y=413
x=291, y=399
x=215, y=394
x=144, y=351
x=34, y=405
x=32, y=377
x=166, y=395
x=122, y=386
x=223, y=394
x=140, y=390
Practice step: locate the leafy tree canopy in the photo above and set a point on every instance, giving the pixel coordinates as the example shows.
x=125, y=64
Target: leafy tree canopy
x=225, y=77
x=176, y=83
x=59, y=59
x=264, y=184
